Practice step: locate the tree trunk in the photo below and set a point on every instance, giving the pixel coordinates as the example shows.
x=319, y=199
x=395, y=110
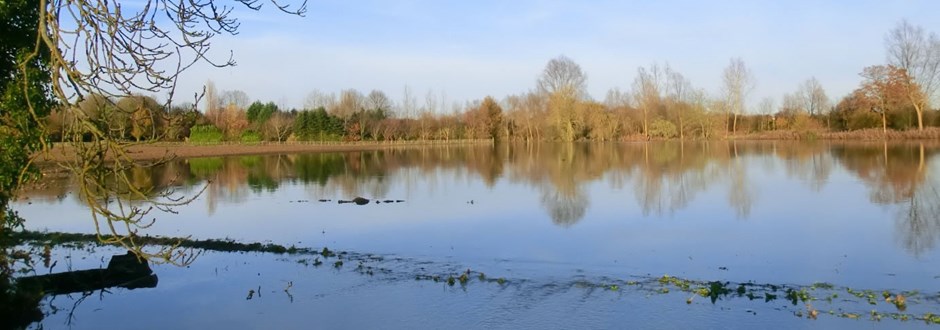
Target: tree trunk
x=884, y=124
x=734, y=124
x=681, y=133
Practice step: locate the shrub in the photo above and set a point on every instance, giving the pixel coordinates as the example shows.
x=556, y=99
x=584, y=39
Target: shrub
x=863, y=120
x=663, y=128
x=803, y=122
x=205, y=134
x=250, y=137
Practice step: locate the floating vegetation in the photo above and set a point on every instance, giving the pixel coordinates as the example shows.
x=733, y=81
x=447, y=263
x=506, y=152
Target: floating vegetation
x=811, y=312
x=899, y=301
x=796, y=296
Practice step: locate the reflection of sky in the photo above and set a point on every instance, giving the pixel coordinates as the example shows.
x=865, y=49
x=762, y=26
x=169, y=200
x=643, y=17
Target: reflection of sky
x=212, y=294
x=793, y=233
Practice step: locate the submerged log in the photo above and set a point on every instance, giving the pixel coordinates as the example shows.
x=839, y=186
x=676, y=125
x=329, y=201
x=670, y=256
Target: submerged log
x=125, y=271
x=360, y=201
x=357, y=201
x=19, y=298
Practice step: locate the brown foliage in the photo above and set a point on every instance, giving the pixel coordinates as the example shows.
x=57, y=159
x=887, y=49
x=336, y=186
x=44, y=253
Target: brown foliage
x=233, y=121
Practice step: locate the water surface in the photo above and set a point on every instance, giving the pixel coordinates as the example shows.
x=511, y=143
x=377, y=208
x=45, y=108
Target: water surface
x=549, y=216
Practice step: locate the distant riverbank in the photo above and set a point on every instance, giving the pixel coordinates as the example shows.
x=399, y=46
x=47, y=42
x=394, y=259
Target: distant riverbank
x=154, y=151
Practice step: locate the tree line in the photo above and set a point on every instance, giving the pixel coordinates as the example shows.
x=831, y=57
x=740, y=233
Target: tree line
x=661, y=103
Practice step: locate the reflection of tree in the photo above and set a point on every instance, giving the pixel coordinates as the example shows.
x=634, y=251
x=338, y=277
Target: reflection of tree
x=918, y=221
x=808, y=162
x=566, y=208
x=898, y=175
x=740, y=193
x=495, y=169
x=262, y=172
x=226, y=182
x=664, y=176
x=670, y=175
x=559, y=171
x=891, y=171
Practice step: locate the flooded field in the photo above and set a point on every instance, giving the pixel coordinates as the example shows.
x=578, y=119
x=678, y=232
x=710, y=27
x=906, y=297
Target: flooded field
x=657, y=235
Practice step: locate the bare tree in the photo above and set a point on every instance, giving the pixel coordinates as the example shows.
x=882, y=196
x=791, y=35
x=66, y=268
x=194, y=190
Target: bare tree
x=562, y=73
x=409, y=105
x=213, y=110
x=525, y=112
x=99, y=47
x=813, y=97
x=738, y=84
x=234, y=121
x=792, y=104
x=678, y=93
x=426, y=117
x=278, y=127
x=647, y=90
x=430, y=102
x=617, y=98
x=918, y=53
x=377, y=100
x=564, y=84
x=618, y=104
x=317, y=99
x=234, y=97
x=350, y=102
x=701, y=117
x=536, y=106
x=766, y=108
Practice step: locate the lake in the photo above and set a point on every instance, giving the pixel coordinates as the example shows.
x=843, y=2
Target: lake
x=583, y=235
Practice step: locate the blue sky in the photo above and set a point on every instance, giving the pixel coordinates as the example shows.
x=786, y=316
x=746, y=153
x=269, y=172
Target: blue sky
x=470, y=49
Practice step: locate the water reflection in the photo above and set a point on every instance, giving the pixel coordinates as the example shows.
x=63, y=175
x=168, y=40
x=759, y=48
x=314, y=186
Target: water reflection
x=899, y=175
x=25, y=296
x=661, y=178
